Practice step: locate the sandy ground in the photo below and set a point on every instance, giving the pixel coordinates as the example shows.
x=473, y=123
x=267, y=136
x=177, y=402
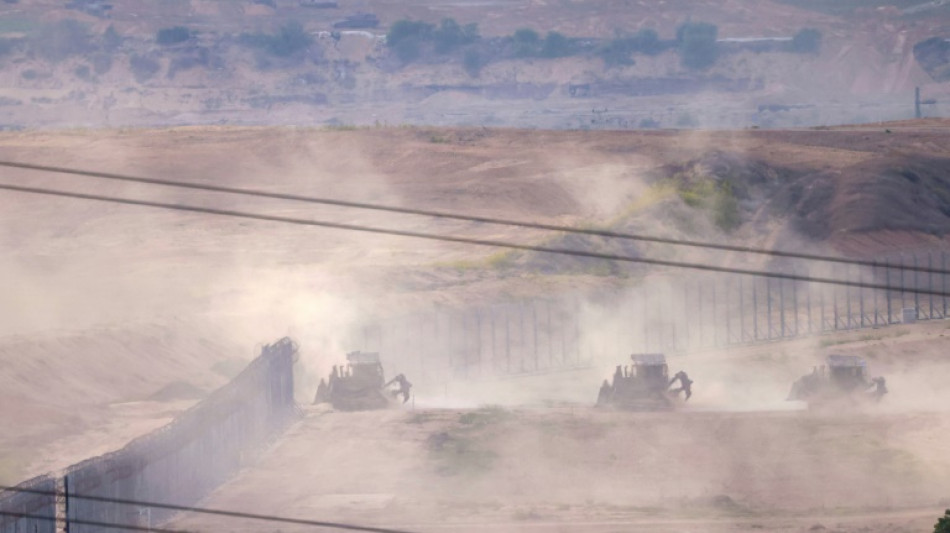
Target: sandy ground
x=117, y=317
x=736, y=458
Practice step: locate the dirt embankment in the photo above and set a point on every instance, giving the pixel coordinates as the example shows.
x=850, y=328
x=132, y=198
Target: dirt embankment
x=111, y=303
x=733, y=460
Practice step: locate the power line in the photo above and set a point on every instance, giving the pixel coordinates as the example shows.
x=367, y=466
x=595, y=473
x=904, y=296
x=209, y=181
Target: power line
x=467, y=240
x=466, y=218
x=126, y=527
x=201, y=510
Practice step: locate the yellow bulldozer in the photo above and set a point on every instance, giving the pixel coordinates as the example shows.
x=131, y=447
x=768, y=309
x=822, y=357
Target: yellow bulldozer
x=644, y=385
x=843, y=379
x=360, y=385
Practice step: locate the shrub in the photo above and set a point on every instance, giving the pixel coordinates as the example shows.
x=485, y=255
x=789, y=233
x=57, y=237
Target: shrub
x=807, y=41
x=527, y=42
x=449, y=36
x=101, y=63
x=82, y=72
x=56, y=42
x=526, y=36
x=943, y=524
x=111, y=40
x=289, y=41
x=143, y=67
x=406, y=30
x=697, y=44
x=616, y=53
x=648, y=42
x=7, y=46
x=178, y=34
x=726, y=209
x=556, y=45
x=405, y=37
x=473, y=63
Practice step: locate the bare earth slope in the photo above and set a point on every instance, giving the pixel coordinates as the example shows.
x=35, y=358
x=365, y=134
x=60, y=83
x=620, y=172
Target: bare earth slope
x=750, y=468
x=119, y=316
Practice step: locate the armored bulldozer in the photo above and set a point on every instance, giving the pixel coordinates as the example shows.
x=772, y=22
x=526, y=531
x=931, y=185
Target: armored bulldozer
x=360, y=385
x=842, y=379
x=645, y=385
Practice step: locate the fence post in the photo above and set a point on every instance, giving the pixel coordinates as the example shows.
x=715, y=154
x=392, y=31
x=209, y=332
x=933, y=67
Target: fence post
x=916, y=289
x=901, y=257
x=834, y=296
x=66, y=504
x=644, y=319
x=795, y=306
x=943, y=281
x=755, y=310
x=808, y=303
x=887, y=290
x=715, y=329
x=847, y=297
x=874, y=279
x=781, y=302
x=930, y=282
x=861, y=298
x=741, y=312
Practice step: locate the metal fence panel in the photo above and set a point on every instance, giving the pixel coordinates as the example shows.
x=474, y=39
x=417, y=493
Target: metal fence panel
x=184, y=461
x=15, y=506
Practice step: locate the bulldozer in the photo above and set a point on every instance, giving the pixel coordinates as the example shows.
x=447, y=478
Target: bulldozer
x=360, y=385
x=842, y=379
x=645, y=385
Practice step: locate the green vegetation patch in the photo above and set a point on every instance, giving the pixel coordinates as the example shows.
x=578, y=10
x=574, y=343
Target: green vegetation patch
x=717, y=198
x=178, y=34
x=460, y=454
x=463, y=451
x=696, y=42
x=943, y=523
x=290, y=40
x=485, y=416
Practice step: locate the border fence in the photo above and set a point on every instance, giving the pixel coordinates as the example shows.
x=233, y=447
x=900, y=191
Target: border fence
x=178, y=464
x=665, y=313
x=30, y=512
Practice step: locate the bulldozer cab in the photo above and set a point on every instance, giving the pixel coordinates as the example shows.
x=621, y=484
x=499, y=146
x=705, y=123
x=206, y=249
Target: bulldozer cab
x=650, y=367
x=365, y=367
x=848, y=371
x=641, y=387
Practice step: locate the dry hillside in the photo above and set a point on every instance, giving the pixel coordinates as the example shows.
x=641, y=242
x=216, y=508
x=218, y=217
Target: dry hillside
x=54, y=74
x=113, y=304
